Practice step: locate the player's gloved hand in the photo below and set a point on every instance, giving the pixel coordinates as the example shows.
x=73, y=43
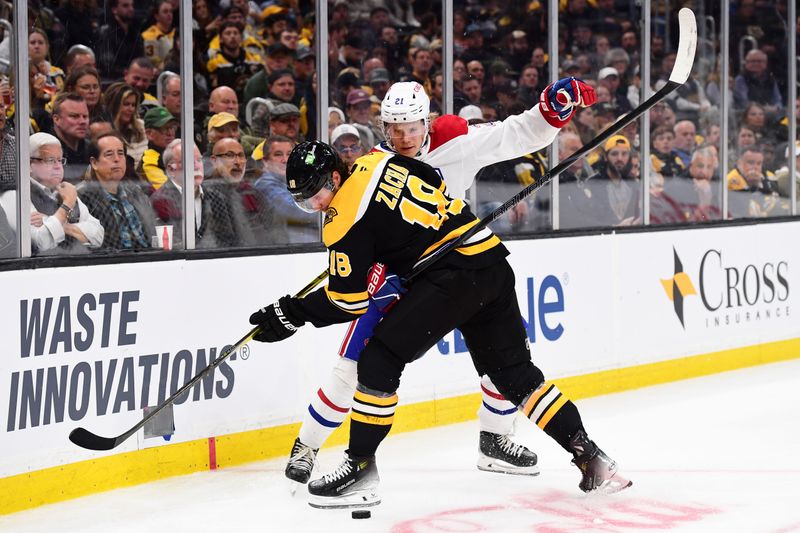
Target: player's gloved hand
x=384, y=288
x=559, y=100
x=276, y=324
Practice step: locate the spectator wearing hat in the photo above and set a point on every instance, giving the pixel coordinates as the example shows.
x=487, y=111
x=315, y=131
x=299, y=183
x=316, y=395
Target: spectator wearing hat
x=437, y=56
x=120, y=206
x=285, y=120
x=472, y=114
x=476, y=49
x=290, y=224
x=335, y=117
x=222, y=125
x=614, y=194
x=278, y=57
x=353, y=53
x=610, y=78
x=506, y=94
x=346, y=81
x=234, y=65
x=518, y=50
x=160, y=126
x=60, y=222
x=346, y=140
x=359, y=112
x=304, y=68
x=275, y=20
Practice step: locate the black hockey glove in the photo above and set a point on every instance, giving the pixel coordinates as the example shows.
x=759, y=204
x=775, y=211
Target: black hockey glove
x=276, y=325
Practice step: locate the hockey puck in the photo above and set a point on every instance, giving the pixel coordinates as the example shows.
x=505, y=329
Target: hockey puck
x=361, y=513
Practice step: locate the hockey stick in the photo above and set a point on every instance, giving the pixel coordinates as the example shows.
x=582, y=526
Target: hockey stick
x=91, y=441
x=680, y=73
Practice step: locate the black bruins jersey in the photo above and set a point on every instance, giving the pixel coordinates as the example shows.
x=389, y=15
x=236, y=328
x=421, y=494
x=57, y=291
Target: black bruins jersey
x=392, y=210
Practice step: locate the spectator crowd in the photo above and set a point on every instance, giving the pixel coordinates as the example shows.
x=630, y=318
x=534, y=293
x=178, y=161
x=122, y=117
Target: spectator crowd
x=105, y=99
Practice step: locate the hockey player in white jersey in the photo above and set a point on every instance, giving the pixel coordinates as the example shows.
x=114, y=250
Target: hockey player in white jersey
x=458, y=151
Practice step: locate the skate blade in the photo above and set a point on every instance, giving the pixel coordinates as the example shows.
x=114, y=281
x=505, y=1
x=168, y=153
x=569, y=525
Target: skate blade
x=614, y=484
x=500, y=467
x=355, y=500
x=293, y=486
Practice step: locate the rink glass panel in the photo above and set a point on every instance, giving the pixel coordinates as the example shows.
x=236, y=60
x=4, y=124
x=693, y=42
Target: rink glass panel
x=504, y=28
x=758, y=184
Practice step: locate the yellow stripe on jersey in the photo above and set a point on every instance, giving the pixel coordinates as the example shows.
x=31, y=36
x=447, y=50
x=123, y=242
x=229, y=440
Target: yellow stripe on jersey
x=479, y=247
x=355, y=303
x=473, y=248
x=352, y=199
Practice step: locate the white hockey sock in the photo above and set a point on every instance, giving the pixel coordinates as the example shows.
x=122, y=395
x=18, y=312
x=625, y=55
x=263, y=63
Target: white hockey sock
x=330, y=405
x=496, y=414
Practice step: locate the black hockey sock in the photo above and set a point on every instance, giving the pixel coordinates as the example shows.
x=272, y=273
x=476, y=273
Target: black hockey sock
x=370, y=421
x=554, y=413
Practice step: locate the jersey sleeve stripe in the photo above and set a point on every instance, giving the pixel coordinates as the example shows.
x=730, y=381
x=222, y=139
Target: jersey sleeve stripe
x=355, y=303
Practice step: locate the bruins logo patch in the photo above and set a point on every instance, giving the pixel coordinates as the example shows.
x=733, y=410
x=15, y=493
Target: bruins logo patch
x=329, y=214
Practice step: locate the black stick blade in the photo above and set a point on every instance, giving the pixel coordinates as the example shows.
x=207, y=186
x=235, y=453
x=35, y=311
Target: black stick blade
x=90, y=441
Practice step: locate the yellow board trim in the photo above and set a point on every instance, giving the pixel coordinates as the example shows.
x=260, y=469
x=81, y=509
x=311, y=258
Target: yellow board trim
x=50, y=485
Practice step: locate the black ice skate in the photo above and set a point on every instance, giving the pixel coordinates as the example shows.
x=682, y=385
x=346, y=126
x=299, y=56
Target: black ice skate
x=353, y=484
x=498, y=453
x=301, y=462
x=599, y=470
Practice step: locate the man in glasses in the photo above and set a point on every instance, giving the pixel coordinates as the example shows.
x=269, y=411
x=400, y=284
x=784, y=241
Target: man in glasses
x=60, y=221
x=347, y=143
x=248, y=217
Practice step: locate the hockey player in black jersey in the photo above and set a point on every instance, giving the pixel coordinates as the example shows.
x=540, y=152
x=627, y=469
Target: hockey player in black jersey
x=394, y=210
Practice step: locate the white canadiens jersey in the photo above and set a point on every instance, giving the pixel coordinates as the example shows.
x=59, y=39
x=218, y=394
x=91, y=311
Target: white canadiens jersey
x=458, y=151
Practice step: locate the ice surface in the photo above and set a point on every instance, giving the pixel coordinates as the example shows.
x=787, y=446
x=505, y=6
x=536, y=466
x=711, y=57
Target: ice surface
x=717, y=454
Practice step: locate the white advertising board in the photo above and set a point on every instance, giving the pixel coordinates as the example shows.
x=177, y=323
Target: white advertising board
x=91, y=346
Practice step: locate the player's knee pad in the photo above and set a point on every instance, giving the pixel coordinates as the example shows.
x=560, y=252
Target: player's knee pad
x=378, y=368
x=516, y=381
x=342, y=381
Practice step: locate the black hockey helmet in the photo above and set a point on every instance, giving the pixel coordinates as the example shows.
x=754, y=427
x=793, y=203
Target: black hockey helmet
x=310, y=167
